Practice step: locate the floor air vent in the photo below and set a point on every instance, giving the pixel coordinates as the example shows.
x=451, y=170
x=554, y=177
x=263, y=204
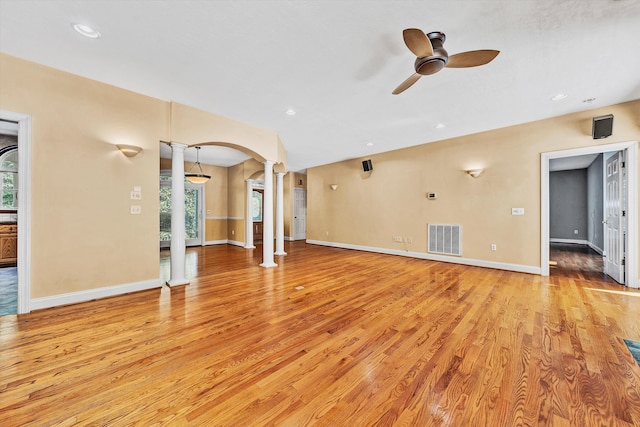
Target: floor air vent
x=445, y=239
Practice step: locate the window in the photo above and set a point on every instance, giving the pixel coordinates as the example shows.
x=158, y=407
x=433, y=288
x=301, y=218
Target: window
x=9, y=178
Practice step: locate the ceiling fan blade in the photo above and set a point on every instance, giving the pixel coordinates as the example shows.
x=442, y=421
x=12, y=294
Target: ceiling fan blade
x=407, y=83
x=472, y=58
x=417, y=42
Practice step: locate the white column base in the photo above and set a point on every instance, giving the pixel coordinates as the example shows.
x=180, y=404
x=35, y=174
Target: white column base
x=268, y=264
x=174, y=283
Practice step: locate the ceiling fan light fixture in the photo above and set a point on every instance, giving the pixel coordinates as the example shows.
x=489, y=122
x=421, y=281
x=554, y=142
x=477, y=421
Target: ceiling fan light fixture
x=431, y=56
x=197, y=178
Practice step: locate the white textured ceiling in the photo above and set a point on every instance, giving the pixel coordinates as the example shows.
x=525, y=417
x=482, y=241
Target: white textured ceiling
x=337, y=62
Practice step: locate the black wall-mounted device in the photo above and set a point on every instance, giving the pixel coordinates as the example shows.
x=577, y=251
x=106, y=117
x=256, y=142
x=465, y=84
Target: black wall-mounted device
x=602, y=126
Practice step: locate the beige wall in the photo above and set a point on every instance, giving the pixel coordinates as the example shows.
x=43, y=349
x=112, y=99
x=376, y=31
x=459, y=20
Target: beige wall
x=368, y=209
x=236, y=202
x=216, y=230
x=82, y=234
x=193, y=126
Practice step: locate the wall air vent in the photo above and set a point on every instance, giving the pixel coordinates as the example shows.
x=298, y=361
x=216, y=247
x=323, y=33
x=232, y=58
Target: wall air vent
x=445, y=239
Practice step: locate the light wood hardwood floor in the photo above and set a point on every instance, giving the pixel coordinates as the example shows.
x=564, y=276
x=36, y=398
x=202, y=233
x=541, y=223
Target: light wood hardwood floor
x=371, y=340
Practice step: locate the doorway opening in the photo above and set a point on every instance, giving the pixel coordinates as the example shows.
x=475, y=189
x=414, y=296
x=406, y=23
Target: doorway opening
x=257, y=207
x=299, y=214
x=629, y=194
x=17, y=216
x=193, y=211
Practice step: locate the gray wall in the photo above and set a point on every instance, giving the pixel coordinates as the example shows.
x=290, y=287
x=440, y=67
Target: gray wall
x=595, y=204
x=568, y=207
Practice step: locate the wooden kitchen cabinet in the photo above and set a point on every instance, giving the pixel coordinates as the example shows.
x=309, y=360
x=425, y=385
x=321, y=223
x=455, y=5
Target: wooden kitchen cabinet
x=8, y=244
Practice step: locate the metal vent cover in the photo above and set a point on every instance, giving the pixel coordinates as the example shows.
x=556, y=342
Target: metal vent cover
x=445, y=239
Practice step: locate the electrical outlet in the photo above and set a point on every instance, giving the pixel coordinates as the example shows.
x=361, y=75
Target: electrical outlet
x=575, y=231
x=233, y=232
x=494, y=247
x=135, y=210
x=397, y=239
x=136, y=195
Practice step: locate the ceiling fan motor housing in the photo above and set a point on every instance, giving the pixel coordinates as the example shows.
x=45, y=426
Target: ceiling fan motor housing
x=432, y=64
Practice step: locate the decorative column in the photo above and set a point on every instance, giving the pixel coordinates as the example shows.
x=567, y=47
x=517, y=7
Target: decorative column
x=280, y=214
x=267, y=215
x=178, y=246
x=248, y=221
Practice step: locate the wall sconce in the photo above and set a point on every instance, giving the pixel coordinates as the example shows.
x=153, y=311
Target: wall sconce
x=334, y=187
x=129, y=150
x=474, y=172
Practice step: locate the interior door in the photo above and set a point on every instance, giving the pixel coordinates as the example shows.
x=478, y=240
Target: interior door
x=615, y=227
x=193, y=202
x=299, y=214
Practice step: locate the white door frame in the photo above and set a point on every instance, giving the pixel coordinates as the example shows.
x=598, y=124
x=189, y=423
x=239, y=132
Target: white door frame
x=24, y=207
x=632, y=203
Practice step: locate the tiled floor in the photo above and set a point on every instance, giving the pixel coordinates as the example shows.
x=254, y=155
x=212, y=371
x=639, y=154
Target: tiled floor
x=8, y=290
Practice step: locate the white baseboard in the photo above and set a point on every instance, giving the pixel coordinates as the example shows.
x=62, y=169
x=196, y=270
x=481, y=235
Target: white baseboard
x=572, y=241
x=431, y=257
x=91, y=294
x=223, y=242
x=215, y=242
x=595, y=248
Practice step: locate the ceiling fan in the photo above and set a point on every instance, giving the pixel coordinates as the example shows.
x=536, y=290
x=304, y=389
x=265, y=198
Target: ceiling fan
x=432, y=57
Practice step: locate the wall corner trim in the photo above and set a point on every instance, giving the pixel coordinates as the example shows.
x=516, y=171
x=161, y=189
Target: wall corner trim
x=91, y=294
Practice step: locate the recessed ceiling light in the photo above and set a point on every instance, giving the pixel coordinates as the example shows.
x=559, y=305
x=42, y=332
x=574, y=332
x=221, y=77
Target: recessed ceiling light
x=440, y=126
x=86, y=31
x=559, y=96
x=369, y=144
x=291, y=112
